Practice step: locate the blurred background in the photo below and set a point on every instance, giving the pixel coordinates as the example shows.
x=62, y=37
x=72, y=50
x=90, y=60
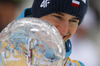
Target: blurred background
x=85, y=42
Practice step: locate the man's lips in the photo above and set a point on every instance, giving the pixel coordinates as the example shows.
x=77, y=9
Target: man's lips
x=64, y=37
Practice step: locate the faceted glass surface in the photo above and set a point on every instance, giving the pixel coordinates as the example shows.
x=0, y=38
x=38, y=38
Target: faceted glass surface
x=31, y=42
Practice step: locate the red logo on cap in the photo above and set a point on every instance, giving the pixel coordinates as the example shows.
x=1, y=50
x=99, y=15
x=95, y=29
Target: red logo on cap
x=76, y=3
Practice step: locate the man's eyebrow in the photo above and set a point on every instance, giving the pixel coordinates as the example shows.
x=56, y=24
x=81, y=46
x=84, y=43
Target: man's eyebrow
x=60, y=14
x=75, y=18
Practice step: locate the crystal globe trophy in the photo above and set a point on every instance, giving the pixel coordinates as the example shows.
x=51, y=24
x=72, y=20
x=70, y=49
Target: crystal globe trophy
x=31, y=42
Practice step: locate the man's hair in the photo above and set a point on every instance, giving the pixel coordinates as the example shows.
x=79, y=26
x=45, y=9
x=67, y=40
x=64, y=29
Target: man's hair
x=76, y=8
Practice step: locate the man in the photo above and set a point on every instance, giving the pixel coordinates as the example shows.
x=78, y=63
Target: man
x=8, y=10
x=65, y=15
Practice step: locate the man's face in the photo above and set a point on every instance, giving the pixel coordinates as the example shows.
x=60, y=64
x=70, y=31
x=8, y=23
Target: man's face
x=65, y=23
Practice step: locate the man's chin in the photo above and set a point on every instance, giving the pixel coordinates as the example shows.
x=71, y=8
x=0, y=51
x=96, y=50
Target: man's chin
x=65, y=40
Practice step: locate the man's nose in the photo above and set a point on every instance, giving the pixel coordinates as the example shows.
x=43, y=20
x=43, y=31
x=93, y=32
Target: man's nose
x=63, y=28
